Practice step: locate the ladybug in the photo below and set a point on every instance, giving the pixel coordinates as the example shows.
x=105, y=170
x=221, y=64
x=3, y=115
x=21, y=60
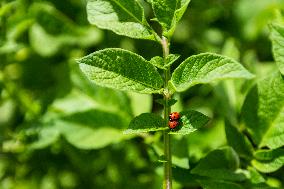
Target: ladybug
x=174, y=116
x=173, y=124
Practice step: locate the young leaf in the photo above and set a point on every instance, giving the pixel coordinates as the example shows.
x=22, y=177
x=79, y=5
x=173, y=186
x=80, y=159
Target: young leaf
x=189, y=122
x=263, y=112
x=159, y=61
x=220, y=164
x=171, y=102
x=168, y=13
x=277, y=38
x=206, y=68
x=121, y=69
x=124, y=17
x=146, y=122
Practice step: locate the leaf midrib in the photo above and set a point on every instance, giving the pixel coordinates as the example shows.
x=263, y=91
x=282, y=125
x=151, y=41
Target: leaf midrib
x=121, y=6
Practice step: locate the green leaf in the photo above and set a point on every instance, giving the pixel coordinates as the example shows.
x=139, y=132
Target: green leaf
x=268, y=160
x=105, y=98
x=171, y=102
x=189, y=122
x=267, y=155
x=91, y=129
x=221, y=164
x=38, y=36
x=218, y=184
x=277, y=38
x=263, y=112
x=268, y=166
x=159, y=61
x=168, y=13
x=238, y=141
x=146, y=122
x=121, y=69
x=206, y=68
x=124, y=17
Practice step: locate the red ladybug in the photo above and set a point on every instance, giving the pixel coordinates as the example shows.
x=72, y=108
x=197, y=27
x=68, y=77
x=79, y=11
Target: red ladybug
x=173, y=124
x=174, y=116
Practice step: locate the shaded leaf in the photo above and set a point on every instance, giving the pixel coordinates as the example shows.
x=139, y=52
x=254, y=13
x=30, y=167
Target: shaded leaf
x=220, y=164
x=215, y=184
x=263, y=112
x=277, y=38
x=146, y=122
x=190, y=121
x=206, y=68
x=124, y=17
x=238, y=141
x=91, y=129
x=121, y=69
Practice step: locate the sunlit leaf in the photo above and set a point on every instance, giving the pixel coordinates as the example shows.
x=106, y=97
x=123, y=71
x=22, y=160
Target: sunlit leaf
x=121, y=69
x=124, y=17
x=206, y=68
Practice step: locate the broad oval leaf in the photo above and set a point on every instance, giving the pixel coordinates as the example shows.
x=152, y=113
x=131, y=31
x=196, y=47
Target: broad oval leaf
x=277, y=38
x=146, y=122
x=206, y=68
x=190, y=121
x=168, y=13
x=124, y=17
x=220, y=164
x=121, y=69
x=85, y=129
x=263, y=112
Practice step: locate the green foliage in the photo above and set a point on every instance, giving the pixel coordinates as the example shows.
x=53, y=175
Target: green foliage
x=190, y=121
x=168, y=13
x=124, y=17
x=206, y=68
x=238, y=141
x=220, y=164
x=263, y=111
x=146, y=122
x=159, y=61
x=277, y=37
x=62, y=126
x=209, y=184
x=268, y=161
x=127, y=71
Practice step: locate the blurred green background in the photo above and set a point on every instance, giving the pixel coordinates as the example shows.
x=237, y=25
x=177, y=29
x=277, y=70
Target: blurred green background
x=58, y=130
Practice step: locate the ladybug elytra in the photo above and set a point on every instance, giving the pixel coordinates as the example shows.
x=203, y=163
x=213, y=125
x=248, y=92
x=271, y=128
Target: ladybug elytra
x=174, y=120
x=174, y=116
x=173, y=124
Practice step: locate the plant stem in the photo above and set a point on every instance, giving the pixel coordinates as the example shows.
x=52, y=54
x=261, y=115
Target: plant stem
x=167, y=184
